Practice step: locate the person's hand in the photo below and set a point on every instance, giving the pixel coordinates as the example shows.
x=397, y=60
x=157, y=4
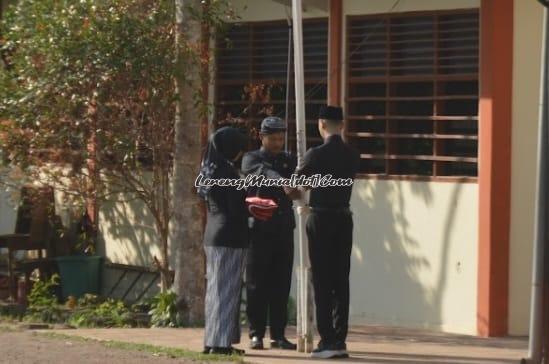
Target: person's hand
x=303, y=210
x=292, y=193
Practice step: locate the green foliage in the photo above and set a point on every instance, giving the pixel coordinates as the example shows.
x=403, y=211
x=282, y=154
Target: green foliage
x=42, y=293
x=89, y=85
x=164, y=311
x=93, y=312
x=89, y=299
x=43, y=304
x=85, y=67
x=89, y=311
x=82, y=68
x=84, y=73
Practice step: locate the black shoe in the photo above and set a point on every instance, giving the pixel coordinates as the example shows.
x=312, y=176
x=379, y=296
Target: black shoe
x=227, y=351
x=326, y=351
x=283, y=344
x=206, y=350
x=256, y=343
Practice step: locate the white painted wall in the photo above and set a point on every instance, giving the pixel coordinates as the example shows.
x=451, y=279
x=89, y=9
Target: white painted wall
x=526, y=79
x=10, y=178
x=8, y=217
x=127, y=235
x=360, y=7
x=265, y=10
x=415, y=254
x=8, y=212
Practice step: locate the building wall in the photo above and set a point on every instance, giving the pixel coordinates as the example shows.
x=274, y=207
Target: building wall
x=526, y=80
x=265, y=10
x=422, y=237
x=359, y=7
x=414, y=260
x=8, y=217
x=8, y=212
x=127, y=235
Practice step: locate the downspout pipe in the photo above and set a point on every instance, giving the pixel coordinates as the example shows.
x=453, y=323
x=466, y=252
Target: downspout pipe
x=535, y=347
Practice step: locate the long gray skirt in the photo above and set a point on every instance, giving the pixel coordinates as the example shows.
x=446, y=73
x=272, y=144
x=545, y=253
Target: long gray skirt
x=224, y=269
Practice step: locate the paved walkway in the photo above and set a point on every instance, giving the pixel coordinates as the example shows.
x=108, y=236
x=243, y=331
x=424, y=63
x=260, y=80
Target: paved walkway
x=376, y=345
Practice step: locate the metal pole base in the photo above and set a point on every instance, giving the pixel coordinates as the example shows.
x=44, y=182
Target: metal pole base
x=309, y=345
x=527, y=361
x=532, y=360
x=305, y=344
x=301, y=344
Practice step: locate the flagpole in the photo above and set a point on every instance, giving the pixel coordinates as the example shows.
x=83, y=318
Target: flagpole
x=305, y=307
x=288, y=75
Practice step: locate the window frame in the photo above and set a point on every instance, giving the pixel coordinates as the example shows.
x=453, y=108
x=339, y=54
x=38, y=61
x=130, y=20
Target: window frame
x=434, y=77
x=321, y=82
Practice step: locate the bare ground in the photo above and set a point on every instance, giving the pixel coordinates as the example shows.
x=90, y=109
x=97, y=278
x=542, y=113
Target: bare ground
x=27, y=347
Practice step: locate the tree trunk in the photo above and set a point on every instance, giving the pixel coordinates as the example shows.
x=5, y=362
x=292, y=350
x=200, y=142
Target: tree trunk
x=205, y=80
x=92, y=206
x=163, y=265
x=185, y=227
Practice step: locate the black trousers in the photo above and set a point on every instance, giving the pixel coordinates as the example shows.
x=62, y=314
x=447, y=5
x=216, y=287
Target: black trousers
x=330, y=237
x=268, y=280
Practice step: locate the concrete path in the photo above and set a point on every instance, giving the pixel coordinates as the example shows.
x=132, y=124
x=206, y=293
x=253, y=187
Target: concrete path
x=376, y=345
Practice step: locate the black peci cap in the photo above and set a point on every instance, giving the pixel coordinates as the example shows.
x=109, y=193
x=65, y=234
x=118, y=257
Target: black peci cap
x=272, y=124
x=331, y=113
x=229, y=141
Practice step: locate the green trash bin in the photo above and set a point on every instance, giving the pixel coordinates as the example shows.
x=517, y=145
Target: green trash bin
x=80, y=274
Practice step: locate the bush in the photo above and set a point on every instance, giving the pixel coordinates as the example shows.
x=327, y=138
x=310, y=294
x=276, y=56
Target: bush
x=93, y=312
x=88, y=311
x=164, y=311
x=43, y=304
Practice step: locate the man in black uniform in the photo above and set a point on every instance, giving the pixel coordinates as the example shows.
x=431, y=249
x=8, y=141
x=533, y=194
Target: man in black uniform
x=270, y=259
x=330, y=232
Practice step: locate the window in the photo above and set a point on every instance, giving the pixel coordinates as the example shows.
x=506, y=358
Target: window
x=412, y=94
x=252, y=69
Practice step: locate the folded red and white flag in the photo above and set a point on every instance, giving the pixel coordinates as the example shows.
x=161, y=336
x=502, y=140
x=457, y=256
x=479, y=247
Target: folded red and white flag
x=261, y=208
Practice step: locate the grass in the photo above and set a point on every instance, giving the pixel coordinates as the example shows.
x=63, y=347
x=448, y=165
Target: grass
x=7, y=328
x=152, y=349
x=8, y=324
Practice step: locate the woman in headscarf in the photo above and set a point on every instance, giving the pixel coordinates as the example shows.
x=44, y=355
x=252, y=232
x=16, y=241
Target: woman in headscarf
x=225, y=242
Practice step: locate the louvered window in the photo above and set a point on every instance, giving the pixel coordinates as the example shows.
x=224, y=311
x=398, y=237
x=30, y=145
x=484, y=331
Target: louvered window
x=256, y=54
x=412, y=94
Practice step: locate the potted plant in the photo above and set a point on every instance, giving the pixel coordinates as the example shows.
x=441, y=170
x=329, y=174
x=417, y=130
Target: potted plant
x=80, y=271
